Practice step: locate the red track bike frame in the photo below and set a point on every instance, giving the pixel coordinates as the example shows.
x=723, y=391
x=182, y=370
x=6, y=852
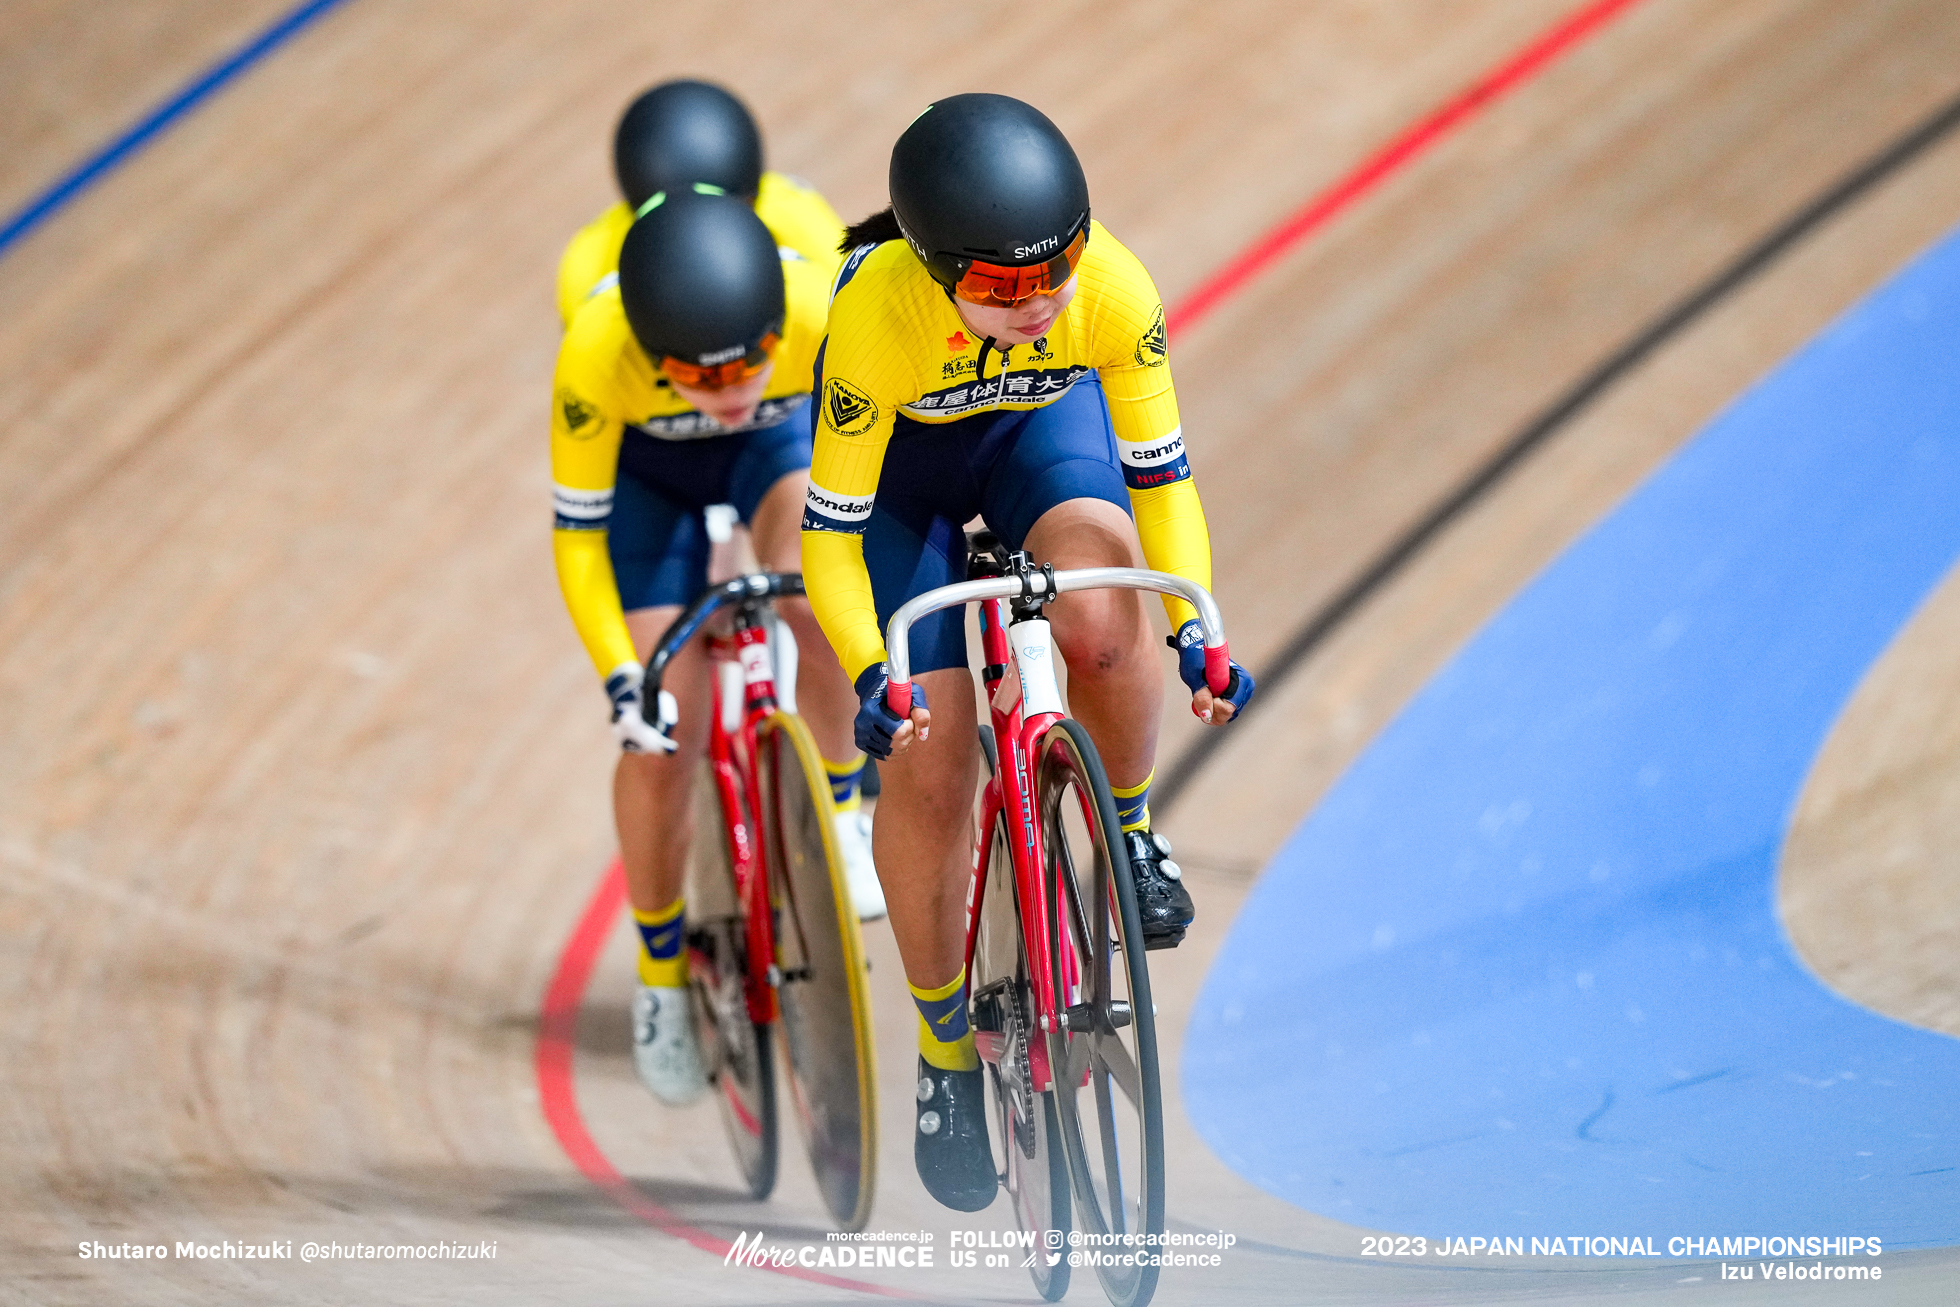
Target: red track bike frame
x=1017, y=733
x=732, y=756
x=1010, y=790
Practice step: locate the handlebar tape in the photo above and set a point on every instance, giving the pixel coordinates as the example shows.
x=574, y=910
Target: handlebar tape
x=1218, y=668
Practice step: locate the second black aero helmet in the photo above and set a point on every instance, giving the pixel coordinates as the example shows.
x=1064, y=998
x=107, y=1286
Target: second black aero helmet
x=701, y=280
x=987, y=178
x=683, y=132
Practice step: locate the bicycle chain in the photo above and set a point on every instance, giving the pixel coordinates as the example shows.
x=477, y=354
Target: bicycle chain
x=1023, y=1117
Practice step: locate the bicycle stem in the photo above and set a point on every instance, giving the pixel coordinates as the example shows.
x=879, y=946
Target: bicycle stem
x=752, y=588
x=1034, y=585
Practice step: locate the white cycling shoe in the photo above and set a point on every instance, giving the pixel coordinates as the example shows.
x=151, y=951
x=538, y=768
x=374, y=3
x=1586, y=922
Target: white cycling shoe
x=860, y=872
x=665, y=1052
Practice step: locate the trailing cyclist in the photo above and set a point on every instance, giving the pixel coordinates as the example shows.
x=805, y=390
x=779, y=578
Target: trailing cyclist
x=672, y=136
x=686, y=384
x=993, y=351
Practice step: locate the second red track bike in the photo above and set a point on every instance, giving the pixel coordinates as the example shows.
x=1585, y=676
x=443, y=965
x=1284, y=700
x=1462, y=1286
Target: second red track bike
x=775, y=962
x=1058, y=988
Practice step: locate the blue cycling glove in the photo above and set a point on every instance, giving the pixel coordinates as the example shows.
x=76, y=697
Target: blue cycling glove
x=876, y=723
x=1190, y=645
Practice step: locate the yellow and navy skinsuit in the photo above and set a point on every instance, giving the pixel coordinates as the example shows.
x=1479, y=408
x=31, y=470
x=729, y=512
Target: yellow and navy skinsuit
x=920, y=426
x=633, y=465
x=794, y=212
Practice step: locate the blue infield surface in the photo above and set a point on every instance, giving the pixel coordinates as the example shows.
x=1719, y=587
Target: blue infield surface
x=1521, y=973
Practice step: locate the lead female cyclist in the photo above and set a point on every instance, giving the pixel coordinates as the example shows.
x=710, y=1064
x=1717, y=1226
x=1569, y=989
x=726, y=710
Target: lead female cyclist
x=992, y=351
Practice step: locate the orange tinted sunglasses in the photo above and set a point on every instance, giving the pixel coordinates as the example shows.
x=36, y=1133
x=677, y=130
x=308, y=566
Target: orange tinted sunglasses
x=720, y=376
x=1002, y=287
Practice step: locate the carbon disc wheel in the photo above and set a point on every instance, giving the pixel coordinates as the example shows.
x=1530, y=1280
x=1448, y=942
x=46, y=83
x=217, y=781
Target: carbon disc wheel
x=825, y=1021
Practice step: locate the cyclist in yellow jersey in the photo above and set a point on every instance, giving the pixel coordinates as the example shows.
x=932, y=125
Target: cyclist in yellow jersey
x=674, y=135
x=992, y=351
x=686, y=385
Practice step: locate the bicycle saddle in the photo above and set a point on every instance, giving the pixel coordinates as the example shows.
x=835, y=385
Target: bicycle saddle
x=985, y=554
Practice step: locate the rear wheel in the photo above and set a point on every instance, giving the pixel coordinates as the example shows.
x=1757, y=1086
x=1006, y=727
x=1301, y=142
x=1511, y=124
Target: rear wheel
x=1107, y=1089
x=825, y=1021
x=734, y=1050
x=1021, y=1117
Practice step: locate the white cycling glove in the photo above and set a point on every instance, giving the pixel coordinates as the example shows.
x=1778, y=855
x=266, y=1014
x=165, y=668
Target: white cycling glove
x=629, y=724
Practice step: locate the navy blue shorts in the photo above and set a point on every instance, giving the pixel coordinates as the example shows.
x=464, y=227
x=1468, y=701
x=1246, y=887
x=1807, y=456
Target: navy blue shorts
x=1008, y=468
x=656, y=535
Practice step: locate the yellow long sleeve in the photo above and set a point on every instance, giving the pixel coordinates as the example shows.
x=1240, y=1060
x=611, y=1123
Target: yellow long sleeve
x=1171, y=528
x=843, y=602
x=585, y=576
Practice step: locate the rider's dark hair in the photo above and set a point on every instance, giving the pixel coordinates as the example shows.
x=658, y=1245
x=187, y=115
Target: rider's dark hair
x=879, y=227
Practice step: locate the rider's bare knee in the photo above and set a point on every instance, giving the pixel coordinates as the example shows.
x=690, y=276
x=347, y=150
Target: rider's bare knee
x=1099, y=636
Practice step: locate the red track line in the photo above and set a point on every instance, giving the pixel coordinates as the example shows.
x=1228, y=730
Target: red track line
x=558, y=1022
x=557, y=1036
x=1319, y=210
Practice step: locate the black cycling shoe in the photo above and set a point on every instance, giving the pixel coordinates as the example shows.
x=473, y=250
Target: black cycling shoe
x=950, y=1146
x=1162, y=901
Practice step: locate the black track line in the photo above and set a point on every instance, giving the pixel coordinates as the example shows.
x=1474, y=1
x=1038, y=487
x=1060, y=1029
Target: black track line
x=1402, y=550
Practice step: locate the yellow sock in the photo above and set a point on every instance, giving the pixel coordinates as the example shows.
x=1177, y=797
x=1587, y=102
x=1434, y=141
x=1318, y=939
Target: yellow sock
x=944, y=1039
x=1133, y=804
x=663, y=963
x=845, y=777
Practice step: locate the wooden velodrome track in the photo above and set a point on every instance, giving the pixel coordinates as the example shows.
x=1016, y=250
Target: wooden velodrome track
x=303, y=775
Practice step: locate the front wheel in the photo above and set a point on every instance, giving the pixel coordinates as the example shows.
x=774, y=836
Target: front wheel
x=734, y=1049
x=1021, y=1117
x=1105, y=1056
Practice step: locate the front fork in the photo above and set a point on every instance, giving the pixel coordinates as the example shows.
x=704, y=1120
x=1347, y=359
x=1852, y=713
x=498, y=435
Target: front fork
x=734, y=754
x=1010, y=791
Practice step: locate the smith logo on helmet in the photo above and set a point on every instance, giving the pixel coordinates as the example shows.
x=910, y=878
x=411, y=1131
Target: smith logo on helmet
x=848, y=410
x=577, y=413
x=1150, y=350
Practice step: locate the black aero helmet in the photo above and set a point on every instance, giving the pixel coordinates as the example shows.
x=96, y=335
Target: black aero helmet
x=985, y=181
x=701, y=281
x=684, y=132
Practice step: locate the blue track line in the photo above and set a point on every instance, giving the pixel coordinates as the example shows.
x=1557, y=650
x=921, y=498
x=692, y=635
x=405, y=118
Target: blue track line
x=158, y=120
x=1522, y=972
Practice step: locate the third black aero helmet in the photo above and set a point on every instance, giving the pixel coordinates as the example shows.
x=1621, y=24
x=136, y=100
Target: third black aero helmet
x=987, y=179
x=683, y=132
x=701, y=281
